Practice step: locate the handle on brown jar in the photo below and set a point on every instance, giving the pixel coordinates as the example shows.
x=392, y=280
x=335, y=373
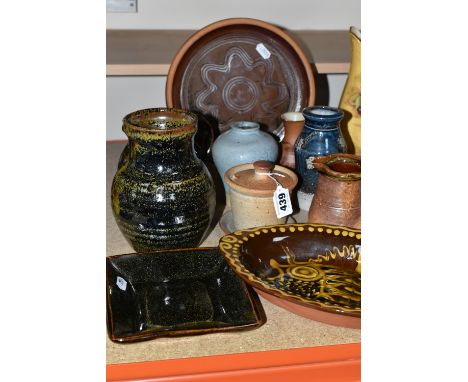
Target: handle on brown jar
x=323, y=164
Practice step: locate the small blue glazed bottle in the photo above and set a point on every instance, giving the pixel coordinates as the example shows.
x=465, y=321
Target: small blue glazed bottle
x=320, y=136
x=243, y=143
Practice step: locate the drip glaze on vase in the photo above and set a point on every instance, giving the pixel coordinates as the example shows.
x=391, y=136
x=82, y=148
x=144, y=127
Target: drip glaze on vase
x=163, y=195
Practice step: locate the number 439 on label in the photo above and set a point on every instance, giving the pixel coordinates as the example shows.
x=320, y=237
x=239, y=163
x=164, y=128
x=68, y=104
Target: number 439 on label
x=282, y=202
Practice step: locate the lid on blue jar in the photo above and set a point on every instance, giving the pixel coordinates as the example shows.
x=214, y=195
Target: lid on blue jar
x=323, y=113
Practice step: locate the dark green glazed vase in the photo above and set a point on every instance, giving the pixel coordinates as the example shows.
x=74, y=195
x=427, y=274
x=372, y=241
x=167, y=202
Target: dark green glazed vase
x=163, y=195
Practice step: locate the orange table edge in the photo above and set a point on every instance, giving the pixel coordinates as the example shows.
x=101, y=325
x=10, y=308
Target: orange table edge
x=322, y=363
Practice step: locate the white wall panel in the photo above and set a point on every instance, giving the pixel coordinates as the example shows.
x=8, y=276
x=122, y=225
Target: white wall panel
x=195, y=14
x=127, y=94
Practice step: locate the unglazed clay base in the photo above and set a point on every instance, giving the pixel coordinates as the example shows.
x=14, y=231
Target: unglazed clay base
x=304, y=200
x=313, y=314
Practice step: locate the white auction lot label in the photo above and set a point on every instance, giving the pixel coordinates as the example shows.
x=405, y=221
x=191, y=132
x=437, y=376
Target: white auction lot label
x=264, y=52
x=282, y=202
x=121, y=283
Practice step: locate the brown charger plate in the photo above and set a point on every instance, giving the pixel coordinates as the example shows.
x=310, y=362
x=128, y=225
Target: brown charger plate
x=241, y=69
x=312, y=270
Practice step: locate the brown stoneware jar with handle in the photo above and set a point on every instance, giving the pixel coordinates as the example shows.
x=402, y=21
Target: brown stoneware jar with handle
x=337, y=197
x=293, y=123
x=251, y=189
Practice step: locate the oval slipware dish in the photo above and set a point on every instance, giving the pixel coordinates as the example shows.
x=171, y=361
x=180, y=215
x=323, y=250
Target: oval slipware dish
x=163, y=195
x=313, y=270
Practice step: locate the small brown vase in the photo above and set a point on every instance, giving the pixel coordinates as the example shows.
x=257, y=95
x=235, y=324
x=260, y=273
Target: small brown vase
x=293, y=123
x=337, y=198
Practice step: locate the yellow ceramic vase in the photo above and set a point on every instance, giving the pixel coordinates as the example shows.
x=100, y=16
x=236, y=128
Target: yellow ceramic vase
x=350, y=101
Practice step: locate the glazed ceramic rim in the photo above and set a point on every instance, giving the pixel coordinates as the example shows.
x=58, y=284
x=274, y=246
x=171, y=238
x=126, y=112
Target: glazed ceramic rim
x=322, y=164
x=292, y=116
x=233, y=22
x=230, y=244
x=129, y=126
x=337, y=115
x=255, y=192
x=245, y=126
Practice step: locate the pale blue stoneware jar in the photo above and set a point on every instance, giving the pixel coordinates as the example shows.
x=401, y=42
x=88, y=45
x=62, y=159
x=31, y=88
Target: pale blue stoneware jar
x=320, y=136
x=244, y=142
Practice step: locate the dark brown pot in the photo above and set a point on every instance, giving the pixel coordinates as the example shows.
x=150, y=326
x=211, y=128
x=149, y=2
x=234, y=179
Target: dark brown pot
x=162, y=194
x=337, y=198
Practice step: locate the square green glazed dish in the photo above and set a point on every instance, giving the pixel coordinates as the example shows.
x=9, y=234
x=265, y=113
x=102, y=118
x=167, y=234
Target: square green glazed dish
x=175, y=293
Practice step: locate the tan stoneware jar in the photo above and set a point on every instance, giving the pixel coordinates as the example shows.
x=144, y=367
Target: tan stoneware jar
x=251, y=190
x=337, y=198
x=293, y=123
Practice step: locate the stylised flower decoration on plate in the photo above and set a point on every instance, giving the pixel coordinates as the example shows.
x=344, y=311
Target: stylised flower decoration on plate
x=241, y=69
x=241, y=82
